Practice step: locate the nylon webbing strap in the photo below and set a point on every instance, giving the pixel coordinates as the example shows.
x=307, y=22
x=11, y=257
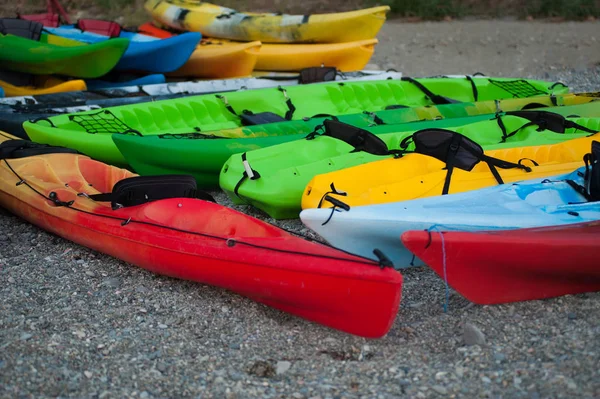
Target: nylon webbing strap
x=435, y=98
x=249, y=173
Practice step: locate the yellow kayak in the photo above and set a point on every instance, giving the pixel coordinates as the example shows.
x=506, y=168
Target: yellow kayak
x=221, y=22
x=418, y=176
x=218, y=59
x=352, y=56
x=42, y=85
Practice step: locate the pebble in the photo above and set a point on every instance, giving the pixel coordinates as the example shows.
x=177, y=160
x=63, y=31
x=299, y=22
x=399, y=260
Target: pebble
x=25, y=336
x=88, y=374
x=472, y=335
x=282, y=367
x=112, y=282
x=162, y=326
x=440, y=389
x=90, y=273
x=11, y=280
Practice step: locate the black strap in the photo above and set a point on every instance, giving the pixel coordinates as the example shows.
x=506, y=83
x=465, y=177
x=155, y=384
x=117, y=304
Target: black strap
x=12, y=149
x=473, y=87
x=376, y=119
x=326, y=196
x=247, y=114
x=288, y=101
x=249, y=173
x=139, y=190
x=360, y=139
x=545, y=120
x=435, y=98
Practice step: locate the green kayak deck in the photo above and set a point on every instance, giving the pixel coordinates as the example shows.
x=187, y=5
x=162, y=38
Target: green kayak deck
x=203, y=156
x=90, y=132
x=282, y=172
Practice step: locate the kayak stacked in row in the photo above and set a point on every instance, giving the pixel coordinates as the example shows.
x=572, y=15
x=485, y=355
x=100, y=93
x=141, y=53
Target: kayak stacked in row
x=282, y=42
x=96, y=61
x=96, y=54
x=447, y=163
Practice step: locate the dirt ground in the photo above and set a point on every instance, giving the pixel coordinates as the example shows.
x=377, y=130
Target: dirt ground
x=501, y=48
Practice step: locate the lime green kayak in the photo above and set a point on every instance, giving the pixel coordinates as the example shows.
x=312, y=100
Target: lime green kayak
x=56, y=55
x=274, y=178
x=179, y=153
x=90, y=132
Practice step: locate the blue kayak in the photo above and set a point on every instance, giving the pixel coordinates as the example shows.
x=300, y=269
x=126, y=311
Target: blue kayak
x=1, y=92
x=531, y=203
x=100, y=84
x=145, y=53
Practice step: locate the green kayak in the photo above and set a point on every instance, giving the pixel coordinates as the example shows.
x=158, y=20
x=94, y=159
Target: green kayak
x=174, y=154
x=55, y=55
x=273, y=179
x=90, y=132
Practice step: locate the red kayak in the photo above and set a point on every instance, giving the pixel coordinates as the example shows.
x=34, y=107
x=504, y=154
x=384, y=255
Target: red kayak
x=81, y=200
x=514, y=265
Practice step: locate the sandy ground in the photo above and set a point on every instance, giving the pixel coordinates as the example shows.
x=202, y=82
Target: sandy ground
x=502, y=48
x=75, y=323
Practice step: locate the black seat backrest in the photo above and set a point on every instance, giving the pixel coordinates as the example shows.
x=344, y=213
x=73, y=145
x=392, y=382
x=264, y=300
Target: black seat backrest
x=21, y=27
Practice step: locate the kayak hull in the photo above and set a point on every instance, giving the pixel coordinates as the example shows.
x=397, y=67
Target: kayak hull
x=44, y=58
x=515, y=265
x=526, y=204
x=225, y=23
x=205, y=242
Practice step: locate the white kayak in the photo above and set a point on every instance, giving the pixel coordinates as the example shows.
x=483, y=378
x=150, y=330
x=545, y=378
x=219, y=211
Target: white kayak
x=194, y=87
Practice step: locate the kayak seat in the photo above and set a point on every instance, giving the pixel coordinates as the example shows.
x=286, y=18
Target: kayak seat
x=101, y=27
x=21, y=27
x=139, y=190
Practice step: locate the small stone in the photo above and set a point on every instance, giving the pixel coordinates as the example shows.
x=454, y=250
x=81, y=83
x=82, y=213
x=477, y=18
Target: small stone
x=219, y=380
x=297, y=395
x=142, y=290
x=3, y=237
x=472, y=335
x=486, y=380
x=224, y=309
x=88, y=374
x=235, y=346
x=25, y=336
x=366, y=348
x=440, y=390
x=90, y=273
x=499, y=357
x=144, y=395
x=261, y=368
x=282, y=367
x=162, y=326
x=459, y=371
x=112, y=282
x=572, y=386
x=161, y=367
x=440, y=375
x=572, y=316
x=79, y=333
x=11, y=280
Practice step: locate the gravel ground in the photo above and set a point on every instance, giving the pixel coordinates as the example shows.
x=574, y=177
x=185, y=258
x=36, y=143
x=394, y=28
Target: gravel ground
x=76, y=323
